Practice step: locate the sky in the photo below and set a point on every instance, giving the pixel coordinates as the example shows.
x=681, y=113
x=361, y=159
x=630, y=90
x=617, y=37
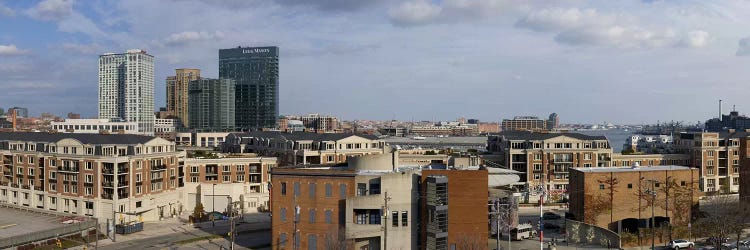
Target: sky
x=589, y=61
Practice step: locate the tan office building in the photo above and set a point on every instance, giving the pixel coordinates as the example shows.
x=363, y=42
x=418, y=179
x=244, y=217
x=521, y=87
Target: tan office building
x=177, y=92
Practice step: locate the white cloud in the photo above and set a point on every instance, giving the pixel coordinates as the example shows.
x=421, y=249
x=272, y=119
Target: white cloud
x=696, y=39
x=11, y=50
x=422, y=12
x=87, y=49
x=5, y=11
x=187, y=37
x=52, y=10
x=414, y=13
x=744, y=47
x=574, y=26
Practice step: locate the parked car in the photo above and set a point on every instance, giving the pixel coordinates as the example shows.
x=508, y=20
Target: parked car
x=677, y=244
x=551, y=216
x=551, y=226
x=736, y=245
x=713, y=240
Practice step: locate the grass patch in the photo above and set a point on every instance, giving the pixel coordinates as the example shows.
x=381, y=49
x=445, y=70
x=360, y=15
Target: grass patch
x=208, y=237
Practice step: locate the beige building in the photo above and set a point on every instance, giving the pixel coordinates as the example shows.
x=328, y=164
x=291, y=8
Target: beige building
x=177, y=92
x=302, y=148
x=717, y=155
x=200, y=139
x=79, y=173
x=545, y=158
x=216, y=182
x=620, y=160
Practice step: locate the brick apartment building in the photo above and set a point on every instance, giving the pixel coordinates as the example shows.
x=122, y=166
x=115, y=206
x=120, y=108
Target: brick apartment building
x=79, y=173
x=717, y=155
x=617, y=197
x=372, y=204
x=546, y=157
x=301, y=148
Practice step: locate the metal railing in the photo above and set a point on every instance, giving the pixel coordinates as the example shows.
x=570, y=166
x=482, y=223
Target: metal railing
x=63, y=230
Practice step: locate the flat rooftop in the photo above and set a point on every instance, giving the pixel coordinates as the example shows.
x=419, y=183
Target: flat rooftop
x=630, y=169
x=14, y=222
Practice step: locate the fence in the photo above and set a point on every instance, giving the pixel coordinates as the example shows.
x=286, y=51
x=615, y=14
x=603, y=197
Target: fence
x=45, y=234
x=586, y=234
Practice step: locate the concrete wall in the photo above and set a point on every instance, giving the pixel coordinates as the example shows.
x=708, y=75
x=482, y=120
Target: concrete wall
x=584, y=234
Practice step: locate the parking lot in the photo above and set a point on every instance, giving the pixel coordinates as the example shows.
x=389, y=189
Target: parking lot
x=14, y=222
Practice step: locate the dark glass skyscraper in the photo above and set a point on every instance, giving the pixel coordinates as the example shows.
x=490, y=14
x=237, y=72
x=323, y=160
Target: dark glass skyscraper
x=256, y=73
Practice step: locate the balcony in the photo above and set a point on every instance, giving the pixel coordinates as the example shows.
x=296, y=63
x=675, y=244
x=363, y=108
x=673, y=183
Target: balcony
x=158, y=168
x=69, y=169
x=561, y=169
x=120, y=171
x=15, y=185
x=7, y=162
x=212, y=173
x=38, y=188
x=7, y=173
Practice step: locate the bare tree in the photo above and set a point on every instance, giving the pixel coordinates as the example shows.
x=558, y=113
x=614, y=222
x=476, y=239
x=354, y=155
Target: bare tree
x=723, y=216
x=471, y=242
x=336, y=239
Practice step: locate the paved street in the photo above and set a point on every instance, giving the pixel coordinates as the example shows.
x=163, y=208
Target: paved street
x=254, y=231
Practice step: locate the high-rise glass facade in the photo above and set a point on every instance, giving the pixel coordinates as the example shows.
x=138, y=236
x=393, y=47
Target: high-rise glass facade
x=211, y=104
x=256, y=73
x=126, y=88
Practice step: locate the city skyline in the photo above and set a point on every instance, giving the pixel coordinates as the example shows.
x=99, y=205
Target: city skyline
x=587, y=61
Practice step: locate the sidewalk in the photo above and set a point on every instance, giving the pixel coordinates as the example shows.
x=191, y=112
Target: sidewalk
x=185, y=231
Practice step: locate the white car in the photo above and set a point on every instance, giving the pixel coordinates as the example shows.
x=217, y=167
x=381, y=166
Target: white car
x=677, y=244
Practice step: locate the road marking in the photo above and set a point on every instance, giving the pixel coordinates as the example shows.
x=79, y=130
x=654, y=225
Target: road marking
x=7, y=226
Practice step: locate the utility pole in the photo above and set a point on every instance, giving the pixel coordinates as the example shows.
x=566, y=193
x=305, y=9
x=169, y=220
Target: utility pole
x=386, y=210
x=213, y=204
x=652, y=192
x=296, y=220
x=543, y=191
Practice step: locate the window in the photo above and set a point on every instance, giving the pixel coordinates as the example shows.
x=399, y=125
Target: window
x=226, y=178
x=89, y=178
x=537, y=167
x=312, y=242
x=138, y=178
x=283, y=188
x=404, y=218
x=538, y=157
x=52, y=175
x=283, y=214
x=312, y=190
x=89, y=190
x=53, y=186
x=394, y=219
x=240, y=178
x=330, y=158
x=226, y=168
x=329, y=190
x=710, y=171
x=312, y=216
x=601, y=186
x=657, y=184
x=296, y=189
x=89, y=165
x=682, y=183
x=710, y=163
x=138, y=189
x=329, y=217
x=735, y=180
x=193, y=178
x=240, y=168
x=735, y=162
x=630, y=186
x=587, y=165
x=282, y=239
x=342, y=191
x=537, y=177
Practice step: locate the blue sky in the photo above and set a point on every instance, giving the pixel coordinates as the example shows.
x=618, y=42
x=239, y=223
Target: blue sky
x=589, y=61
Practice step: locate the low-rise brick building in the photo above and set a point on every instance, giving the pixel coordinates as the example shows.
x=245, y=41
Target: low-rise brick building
x=619, y=198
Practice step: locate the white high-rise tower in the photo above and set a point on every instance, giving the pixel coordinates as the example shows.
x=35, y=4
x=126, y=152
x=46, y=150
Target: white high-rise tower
x=126, y=88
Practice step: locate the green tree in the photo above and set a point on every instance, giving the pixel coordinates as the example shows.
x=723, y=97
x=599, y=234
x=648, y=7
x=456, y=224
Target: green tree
x=431, y=152
x=198, y=211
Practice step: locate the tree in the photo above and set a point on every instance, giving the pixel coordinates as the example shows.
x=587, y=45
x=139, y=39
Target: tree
x=336, y=239
x=198, y=211
x=724, y=216
x=430, y=152
x=471, y=242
